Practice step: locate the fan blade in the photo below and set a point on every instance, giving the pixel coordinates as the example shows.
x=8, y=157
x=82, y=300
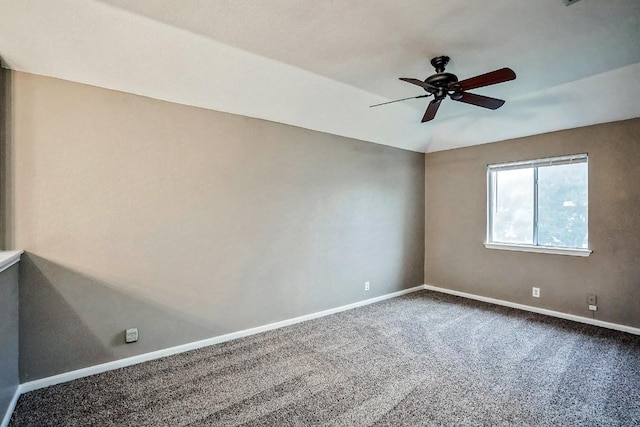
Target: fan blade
x=488, y=79
x=432, y=109
x=480, y=100
x=398, y=100
x=426, y=86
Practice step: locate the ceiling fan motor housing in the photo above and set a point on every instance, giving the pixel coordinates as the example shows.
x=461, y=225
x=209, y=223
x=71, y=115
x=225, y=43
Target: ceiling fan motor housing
x=442, y=81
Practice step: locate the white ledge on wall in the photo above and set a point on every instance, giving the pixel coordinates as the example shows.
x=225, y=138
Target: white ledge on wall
x=539, y=249
x=8, y=258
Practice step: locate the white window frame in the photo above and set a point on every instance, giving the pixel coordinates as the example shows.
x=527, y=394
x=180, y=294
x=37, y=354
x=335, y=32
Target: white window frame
x=552, y=161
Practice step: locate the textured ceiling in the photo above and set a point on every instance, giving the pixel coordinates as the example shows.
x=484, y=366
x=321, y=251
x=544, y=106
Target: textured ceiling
x=319, y=65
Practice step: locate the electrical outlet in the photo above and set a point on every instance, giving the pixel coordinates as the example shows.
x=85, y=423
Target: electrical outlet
x=535, y=292
x=592, y=299
x=367, y=285
x=593, y=307
x=131, y=335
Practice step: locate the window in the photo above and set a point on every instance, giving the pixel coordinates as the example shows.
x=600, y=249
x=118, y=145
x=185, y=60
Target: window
x=539, y=205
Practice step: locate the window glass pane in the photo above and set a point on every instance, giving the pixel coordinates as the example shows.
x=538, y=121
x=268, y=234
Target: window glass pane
x=563, y=205
x=512, y=206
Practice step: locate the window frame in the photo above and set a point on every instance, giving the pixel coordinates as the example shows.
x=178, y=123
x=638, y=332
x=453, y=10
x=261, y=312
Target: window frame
x=534, y=164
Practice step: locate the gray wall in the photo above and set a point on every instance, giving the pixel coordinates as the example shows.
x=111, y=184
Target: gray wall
x=8, y=337
x=5, y=163
x=9, y=277
x=455, y=257
x=188, y=223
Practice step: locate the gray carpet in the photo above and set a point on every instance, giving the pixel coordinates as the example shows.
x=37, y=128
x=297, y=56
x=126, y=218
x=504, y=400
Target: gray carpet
x=421, y=359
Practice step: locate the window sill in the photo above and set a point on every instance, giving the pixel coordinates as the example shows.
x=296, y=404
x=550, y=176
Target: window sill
x=539, y=249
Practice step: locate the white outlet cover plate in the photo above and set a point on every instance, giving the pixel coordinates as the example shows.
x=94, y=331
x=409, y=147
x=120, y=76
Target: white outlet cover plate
x=131, y=335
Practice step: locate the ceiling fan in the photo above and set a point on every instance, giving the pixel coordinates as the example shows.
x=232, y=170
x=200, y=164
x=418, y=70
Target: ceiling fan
x=442, y=84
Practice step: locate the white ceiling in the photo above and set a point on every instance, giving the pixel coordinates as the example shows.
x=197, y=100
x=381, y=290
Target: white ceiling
x=319, y=65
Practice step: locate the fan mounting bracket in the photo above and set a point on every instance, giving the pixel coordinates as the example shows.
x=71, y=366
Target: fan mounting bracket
x=439, y=62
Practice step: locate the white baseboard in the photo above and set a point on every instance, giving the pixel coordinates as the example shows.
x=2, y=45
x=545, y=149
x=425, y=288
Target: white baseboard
x=12, y=406
x=121, y=363
x=559, y=314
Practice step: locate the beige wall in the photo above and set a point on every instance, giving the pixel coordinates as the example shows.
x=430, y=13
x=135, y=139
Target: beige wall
x=455, y=257
x=188, y=223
